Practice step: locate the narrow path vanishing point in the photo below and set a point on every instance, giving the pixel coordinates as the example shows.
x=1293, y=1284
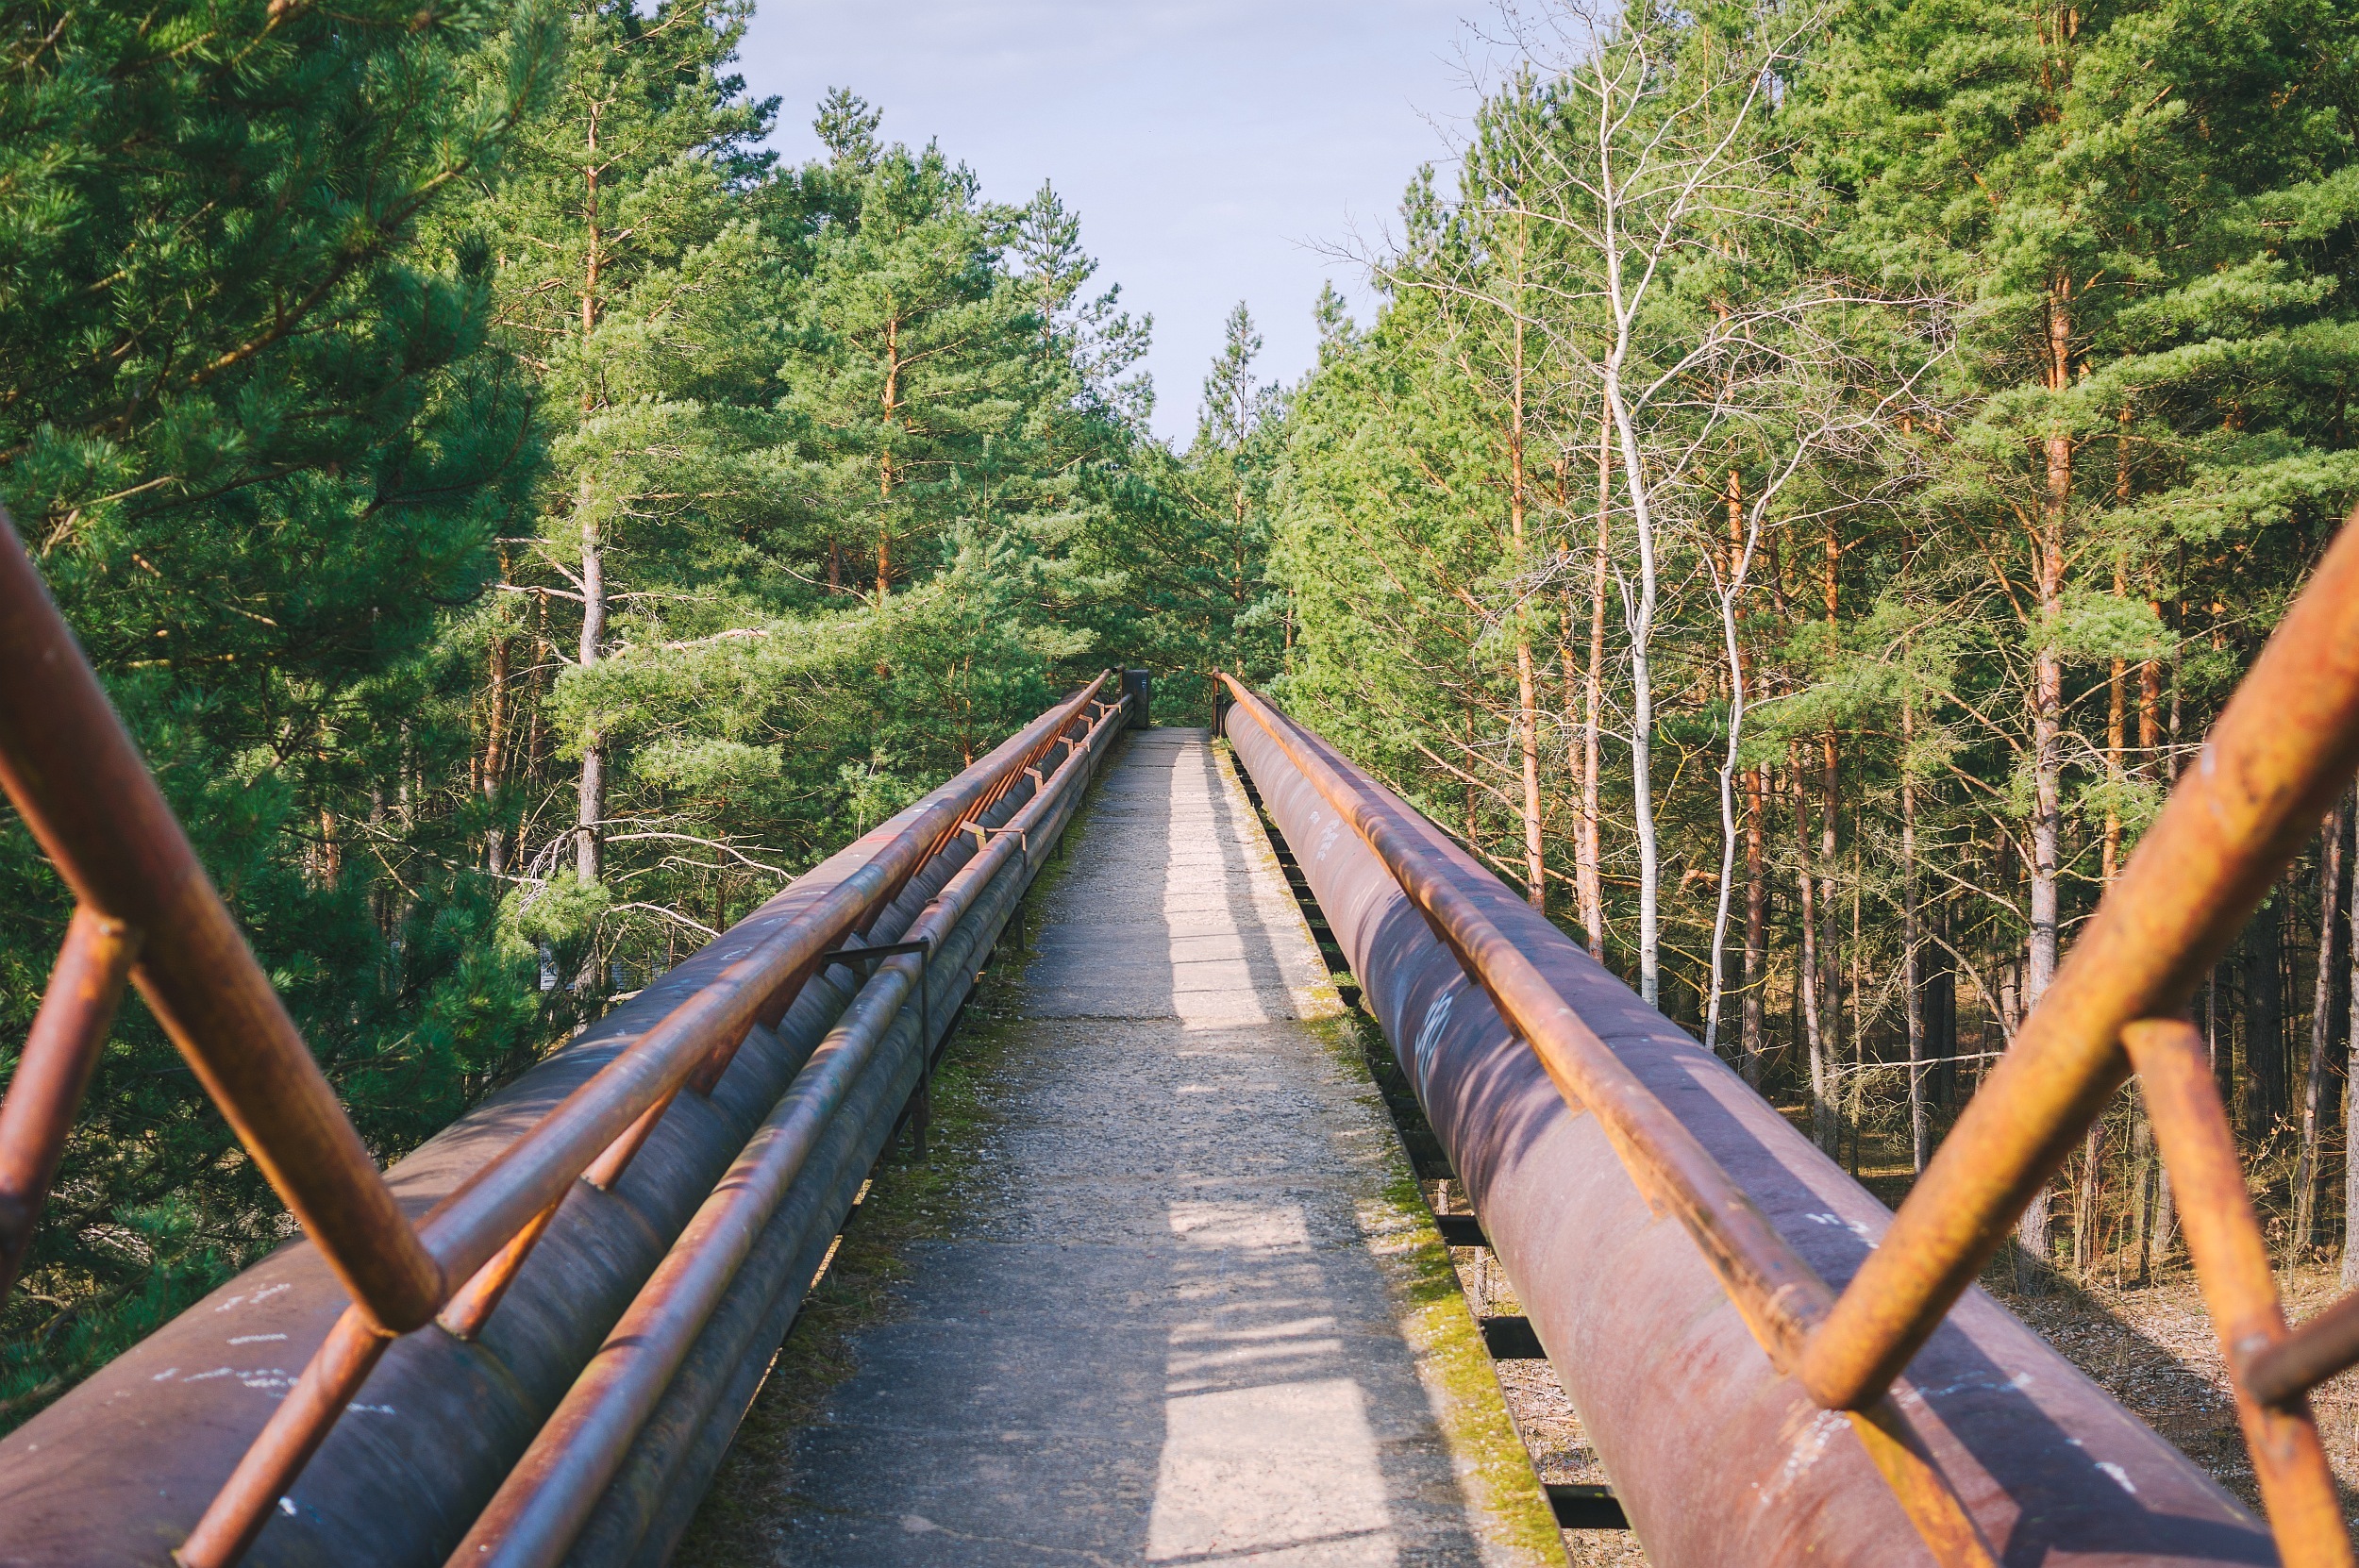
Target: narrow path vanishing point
x=1174, y=1328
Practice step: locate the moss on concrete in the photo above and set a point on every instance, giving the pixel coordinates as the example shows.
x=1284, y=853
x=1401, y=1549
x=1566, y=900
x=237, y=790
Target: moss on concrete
x=907, y=1200
x=1510, y=1511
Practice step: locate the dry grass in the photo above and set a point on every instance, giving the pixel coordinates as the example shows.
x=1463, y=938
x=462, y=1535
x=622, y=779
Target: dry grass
x=2152, y=1347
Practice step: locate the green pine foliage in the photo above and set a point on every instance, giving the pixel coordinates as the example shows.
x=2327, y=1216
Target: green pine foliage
x=526, y=525
x=2015, y=340
x=251, y=431
x=526, y=522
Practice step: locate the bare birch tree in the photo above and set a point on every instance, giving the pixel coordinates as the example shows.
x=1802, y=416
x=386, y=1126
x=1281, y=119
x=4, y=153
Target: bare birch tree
x=1644, y=147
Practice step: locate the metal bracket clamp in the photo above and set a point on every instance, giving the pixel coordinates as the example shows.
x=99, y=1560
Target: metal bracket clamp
x=983, y=837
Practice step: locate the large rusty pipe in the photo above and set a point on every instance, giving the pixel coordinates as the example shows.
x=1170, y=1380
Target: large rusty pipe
x=2284, y=747
x=650, y=1499
x=294, y=1433
x=1717, y=1457
x=117, y=1471
x=533, y=1519
x=71, y=768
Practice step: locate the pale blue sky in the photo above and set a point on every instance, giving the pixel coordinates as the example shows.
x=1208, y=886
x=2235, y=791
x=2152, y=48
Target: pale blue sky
x=1209, y=145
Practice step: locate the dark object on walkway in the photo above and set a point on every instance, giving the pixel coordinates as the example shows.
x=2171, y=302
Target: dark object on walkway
x=1138, y=686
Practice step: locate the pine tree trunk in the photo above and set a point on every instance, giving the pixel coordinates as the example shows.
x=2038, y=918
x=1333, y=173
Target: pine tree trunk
x=1822, y=1122
x=2047, y=732
x=1941, y=1008
x=1830, y=806
x=2263, y=1024
x=892, y=402
x=2109, y=854
x=2085, y=1199
x=1466, y=789
x=2047, y=676
x=1920, y=1141
x=2086, y=1214
x=2145, y=1210
x=1527, y=685
x=590, y=795
x=495, y=725
x=1756, y=926
x=2350, y=1087
x=536, y=725
x=590, y=799
x=2155, y=1235
x=1528, y=735
x=2322, y=1033
x=1740, y=692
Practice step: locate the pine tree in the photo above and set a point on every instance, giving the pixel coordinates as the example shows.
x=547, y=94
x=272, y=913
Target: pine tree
x=2145, y=363
x=615, y=232
x=917, y=349
x=254, y=431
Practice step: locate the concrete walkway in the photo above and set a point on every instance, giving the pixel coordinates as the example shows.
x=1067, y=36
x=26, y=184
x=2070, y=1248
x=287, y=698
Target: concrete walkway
x=1178, y=1325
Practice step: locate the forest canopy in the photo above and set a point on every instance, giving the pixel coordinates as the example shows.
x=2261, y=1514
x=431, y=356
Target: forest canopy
x=524, y=523
x=1812, y=475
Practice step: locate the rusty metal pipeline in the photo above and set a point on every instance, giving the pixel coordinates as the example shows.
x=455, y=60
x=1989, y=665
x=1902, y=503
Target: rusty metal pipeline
x=376, y=1495
x=549, y=1498
x=1717, y=1454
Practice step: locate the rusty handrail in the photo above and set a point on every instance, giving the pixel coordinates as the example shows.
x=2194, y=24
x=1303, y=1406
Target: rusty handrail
x=2232, y=1263
x=71, y=768
x=2284, y=746
x=491, y=1220
x=147, y=912
x=61, y=1051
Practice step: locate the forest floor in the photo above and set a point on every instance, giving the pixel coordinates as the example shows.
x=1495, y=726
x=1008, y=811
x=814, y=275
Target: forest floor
x=2152, y=1346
